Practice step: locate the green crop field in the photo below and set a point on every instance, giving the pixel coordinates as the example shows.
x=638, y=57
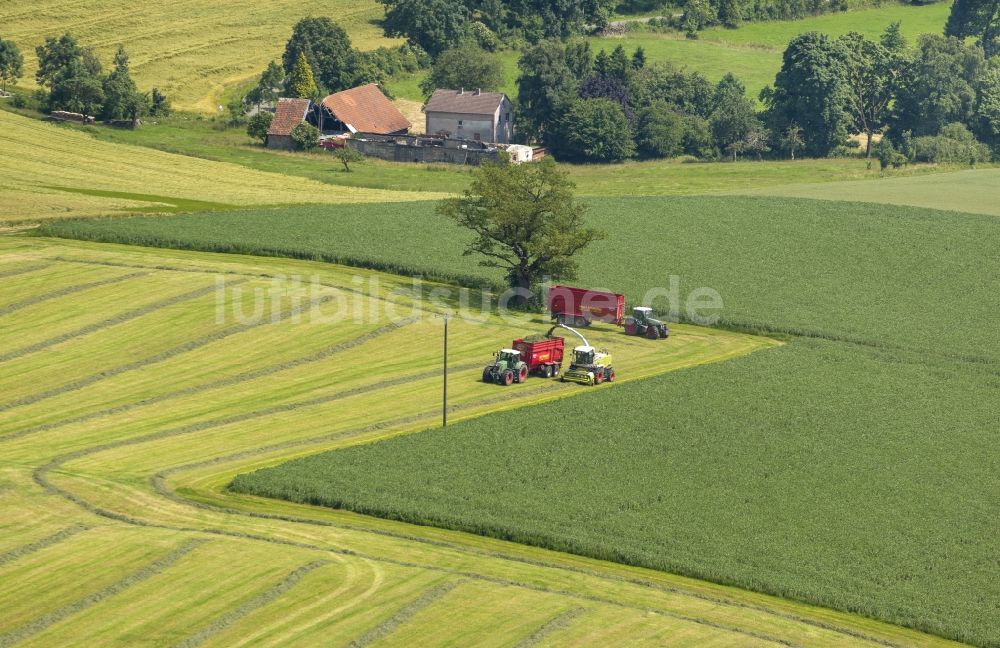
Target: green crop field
x=51, y=172
x=811, y=266
x=117, y=528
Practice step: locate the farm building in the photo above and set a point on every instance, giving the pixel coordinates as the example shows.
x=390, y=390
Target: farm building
x=288, y=114
x=361, y=110
x=472, y=115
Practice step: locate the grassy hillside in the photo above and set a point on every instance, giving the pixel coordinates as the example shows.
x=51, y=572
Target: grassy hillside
x=190, y=50
x=116, y=527
x=49, y=171
x=975, y=191
x=753, y=52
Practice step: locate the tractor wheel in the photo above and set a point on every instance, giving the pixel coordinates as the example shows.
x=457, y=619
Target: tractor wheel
x=611, y=375
x=487, y=375
x=652, y=333
x=508, y=377
x=599, y=377
x=522, y=375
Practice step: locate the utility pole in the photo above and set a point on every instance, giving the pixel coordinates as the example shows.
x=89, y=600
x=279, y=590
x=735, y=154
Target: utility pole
x=444, y=400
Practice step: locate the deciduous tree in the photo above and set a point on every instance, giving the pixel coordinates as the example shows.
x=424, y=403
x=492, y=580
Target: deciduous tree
x=327, y=49
x=11, y=63
x=870, y=72
x=660, y=131
x=526, y=221
x=465, y=66
x=978, y=18
x=937, y=86
x=810, y=92
x=594, y=130
x=546, y=89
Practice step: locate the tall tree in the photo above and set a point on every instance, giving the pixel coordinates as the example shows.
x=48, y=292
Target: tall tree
x=660, y=131
x=988, y=109
x=434, y=25
x=979, y=18
x=327, y=49
x=54, y=55
x=810, y=91
x=301, y=82
x=526, y=221
x=465, y=66
x=120, y=90
x=594, y=130
x=893, y=40
x=937, y=86
x=870, y=71
x=734, y=118
x=546, y=89
x=11, y=63
x=268, y=88
x=78, y=87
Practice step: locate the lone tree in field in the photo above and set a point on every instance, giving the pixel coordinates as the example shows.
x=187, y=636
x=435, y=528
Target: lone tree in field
x=526, y=221
x=11, y=63
x=348, y=156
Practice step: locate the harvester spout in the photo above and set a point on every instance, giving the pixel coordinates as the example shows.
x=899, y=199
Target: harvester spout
x=571, y=330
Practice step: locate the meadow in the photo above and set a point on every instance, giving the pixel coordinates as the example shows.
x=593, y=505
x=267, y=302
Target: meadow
x=212, y=140
x=117, y=528
x=50, y=171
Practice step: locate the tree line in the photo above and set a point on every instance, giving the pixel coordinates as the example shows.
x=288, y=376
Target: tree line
x=938, y=100
x=71, y=78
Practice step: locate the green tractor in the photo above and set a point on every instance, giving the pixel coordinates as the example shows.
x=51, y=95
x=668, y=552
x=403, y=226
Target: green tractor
x=642, y=323
x=507, y=368
x=590, y=367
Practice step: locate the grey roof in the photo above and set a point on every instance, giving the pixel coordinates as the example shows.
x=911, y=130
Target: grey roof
x=467, y=101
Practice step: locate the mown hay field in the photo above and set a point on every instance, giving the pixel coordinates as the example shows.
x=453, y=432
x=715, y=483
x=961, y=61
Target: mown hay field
x=48, y=171
x=191, y=50
x=118, y=528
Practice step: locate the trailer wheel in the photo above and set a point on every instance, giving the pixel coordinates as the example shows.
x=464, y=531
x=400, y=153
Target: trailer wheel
x=508, y=377
x=548, y=372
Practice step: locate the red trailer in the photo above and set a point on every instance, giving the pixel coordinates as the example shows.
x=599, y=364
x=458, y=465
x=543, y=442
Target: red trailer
x=580, y=307
x=543, y=356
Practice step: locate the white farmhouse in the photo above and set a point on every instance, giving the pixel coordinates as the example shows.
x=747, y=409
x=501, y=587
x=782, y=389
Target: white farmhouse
x=471, y=115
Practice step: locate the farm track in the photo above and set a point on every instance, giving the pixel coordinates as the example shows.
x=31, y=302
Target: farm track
x=168, y=482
